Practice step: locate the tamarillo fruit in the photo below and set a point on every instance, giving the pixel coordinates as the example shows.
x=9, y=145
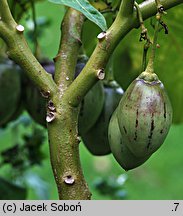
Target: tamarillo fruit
x=120, y=151
x=144, y=115
x=96, y=139
x=91, y=108
x=92, y=104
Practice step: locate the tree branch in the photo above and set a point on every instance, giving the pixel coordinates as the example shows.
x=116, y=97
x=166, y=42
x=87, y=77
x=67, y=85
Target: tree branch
x=6, y=14
x=105, y=47
x=148, y=7
x=126, y=9
x=64, y=151
x=63, y=131
x=66, y=59
x=18, y=50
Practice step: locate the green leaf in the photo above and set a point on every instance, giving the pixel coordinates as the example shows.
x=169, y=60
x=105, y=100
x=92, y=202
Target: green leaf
x=127, y=60
x=87, y=9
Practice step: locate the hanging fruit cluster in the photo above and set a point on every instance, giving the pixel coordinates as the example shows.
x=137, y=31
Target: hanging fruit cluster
x=143, y=118
x=141, y=122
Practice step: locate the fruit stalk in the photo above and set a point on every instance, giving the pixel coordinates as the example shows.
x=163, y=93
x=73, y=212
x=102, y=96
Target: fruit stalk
x=160, y=12
x=143, y=36
x=150, y=65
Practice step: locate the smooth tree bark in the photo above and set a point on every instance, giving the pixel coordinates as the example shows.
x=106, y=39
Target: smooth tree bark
x=64, y=94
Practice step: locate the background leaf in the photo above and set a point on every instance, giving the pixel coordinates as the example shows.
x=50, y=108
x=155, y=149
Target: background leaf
x=19, y=7
x=169, y=61
x=87, y=9
x=10, y=191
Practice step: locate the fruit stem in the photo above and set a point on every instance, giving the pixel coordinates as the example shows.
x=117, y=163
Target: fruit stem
x=144, y=58
x=143, y=36
x=160, y=12
x=150, y=66
x=141, y=21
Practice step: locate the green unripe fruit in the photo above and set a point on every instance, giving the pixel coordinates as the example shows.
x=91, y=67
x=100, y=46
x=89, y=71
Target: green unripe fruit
x=92, y=104
x=17, y=112
x=91, y=108
x=10, y=91
x=96, y=139
x=144, y=115
x=119, y=150
x=34, y=103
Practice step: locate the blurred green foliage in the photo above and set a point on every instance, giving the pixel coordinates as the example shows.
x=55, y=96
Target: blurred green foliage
x=49, y=16
x=161, y=176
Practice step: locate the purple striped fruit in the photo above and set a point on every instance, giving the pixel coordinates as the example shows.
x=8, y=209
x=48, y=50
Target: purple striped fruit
x=120, y=151
x=144, y=115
